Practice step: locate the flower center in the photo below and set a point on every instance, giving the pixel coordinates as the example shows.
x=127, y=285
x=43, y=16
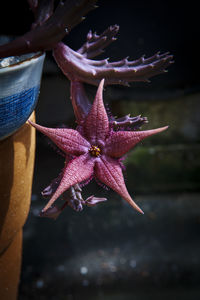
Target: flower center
x=95, y=151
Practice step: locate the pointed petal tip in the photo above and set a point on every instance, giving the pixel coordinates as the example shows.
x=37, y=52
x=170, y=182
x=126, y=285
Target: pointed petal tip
x=141, y=211
x=160, y=129
x=102, y=81
x=99, y=93
x=164, y=128
x=157, y=130
x=134, y=205
x=101, y=85
x=52, y=212
x=32, y=123
x=38, y=127
x=50, y=203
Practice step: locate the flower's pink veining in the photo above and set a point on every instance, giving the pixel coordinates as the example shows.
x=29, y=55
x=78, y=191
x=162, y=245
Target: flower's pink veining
x=97, y=150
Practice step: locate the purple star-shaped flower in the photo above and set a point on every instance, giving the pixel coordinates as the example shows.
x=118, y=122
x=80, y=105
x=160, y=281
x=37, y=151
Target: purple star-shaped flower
x=96, y=150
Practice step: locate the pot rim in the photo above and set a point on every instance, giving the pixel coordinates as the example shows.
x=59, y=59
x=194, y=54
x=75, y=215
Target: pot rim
x=22, y=64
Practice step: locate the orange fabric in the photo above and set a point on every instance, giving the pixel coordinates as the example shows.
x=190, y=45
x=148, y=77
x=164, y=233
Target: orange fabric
x=17, y=154
x=10, y=265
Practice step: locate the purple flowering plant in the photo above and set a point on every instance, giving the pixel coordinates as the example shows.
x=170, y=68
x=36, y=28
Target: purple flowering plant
x=95, y=149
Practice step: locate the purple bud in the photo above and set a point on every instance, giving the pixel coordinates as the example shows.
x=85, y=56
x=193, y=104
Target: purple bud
x=92, y=201
x=50, y=189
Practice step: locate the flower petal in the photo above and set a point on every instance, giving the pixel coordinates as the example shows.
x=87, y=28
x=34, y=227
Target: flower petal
x=109, y=171
x=96, y=126
x=120, y=142
x=68, y=140
x=76, y=171
x=52, y=212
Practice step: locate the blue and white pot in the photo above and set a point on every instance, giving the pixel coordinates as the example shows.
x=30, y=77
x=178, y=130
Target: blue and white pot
x=19, y=90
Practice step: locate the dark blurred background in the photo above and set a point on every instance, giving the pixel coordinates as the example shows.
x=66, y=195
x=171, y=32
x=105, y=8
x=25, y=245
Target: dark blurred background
x=110, y=251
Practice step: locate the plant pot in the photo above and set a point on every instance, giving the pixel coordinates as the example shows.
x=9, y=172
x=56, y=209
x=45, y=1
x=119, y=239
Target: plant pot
x=20, y=84
x=19, y=89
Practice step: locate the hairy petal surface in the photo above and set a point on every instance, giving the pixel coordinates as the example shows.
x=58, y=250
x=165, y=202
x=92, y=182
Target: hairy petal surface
x=109, y=171
x=76, y=171
x=120, y=142
x=68, y=140
x=96, y=126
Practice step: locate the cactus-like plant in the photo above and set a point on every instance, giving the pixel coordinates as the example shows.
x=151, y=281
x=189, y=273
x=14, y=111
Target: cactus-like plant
x=96, y=147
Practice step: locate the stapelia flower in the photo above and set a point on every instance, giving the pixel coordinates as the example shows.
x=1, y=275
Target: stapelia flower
x=96, y=150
